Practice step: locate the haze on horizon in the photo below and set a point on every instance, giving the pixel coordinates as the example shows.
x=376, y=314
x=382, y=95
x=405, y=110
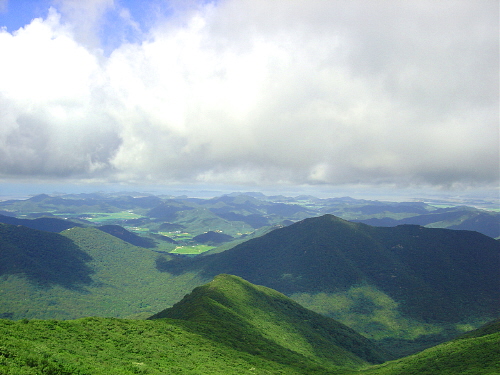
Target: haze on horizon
x=250, y=93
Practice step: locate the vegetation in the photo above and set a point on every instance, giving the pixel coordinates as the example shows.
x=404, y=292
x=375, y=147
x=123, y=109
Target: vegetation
x=228, y=326
x=407, y=287
x=116, y=346
x=467, y=355
x=260, y=320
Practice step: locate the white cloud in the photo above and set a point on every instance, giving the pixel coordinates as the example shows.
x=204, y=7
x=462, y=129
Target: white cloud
x=259, y=92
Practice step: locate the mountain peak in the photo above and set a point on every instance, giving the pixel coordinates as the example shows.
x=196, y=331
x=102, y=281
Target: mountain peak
x=263, y=320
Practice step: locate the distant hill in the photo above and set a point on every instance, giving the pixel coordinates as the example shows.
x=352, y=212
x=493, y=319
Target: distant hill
x=212, y=238
x=44, y=258
x=47, y=224
x=460, y=218
x=125, y=235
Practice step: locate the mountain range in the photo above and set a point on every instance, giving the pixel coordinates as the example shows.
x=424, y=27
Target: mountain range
x=228, y=326
x=407, y=287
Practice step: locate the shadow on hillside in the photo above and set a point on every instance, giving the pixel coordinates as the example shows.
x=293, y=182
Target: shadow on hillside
x=176, y=265
x=46, y=259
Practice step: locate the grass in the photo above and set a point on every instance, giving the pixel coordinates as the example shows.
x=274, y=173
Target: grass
x=467, y=356
x=117, y=346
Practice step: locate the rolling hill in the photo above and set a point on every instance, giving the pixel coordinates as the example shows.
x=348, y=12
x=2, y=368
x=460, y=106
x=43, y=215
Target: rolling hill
x=406, y=282
x=227, y=326
x=407, y=287
x=476, y=352
x=262, y=321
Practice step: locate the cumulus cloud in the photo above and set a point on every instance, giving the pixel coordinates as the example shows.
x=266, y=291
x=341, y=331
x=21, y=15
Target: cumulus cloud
x=250, y=91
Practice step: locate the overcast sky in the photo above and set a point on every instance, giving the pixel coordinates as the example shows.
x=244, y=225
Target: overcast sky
x=250, y=92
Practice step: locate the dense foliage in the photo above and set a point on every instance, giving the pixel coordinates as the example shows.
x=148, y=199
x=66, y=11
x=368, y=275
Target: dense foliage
x=226, y=327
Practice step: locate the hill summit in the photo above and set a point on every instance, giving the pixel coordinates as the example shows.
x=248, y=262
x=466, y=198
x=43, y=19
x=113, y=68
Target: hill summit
x=262, y=321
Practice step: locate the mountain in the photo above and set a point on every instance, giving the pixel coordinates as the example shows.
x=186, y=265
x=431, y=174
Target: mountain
x=228, y=326
x=407, y=287
x=455, y=272
x=262, y=321
x=406, y=281
x=476, y=352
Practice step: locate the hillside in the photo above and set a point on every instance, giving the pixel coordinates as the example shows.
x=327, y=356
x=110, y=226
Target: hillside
x=407, y=287
x=125, y=235
x=455, y=272
x=474, y=353
x=261, y=321
x=81, y=272
x=44, y=258
x=406, y=281
x=227, y=326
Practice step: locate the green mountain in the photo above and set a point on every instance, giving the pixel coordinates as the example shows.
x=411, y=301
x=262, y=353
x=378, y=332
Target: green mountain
x=404, y=282
x=406, y=287
x=456, y=273
x=227, y=326
x=261, y=321
x=82, y=272
x=476, y=352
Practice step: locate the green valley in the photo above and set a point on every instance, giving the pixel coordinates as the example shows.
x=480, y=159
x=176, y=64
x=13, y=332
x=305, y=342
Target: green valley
x=227, y=326
x=407, y=287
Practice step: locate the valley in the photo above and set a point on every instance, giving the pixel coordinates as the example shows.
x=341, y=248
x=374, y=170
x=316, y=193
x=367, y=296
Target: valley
x=424, y=276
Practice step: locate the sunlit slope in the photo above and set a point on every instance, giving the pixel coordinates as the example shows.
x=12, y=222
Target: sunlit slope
x=264, y=322
x=477, y=352
x=104, y=346
x=228, y=326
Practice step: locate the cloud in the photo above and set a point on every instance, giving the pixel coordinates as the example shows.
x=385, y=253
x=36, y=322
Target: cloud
x=258, y=92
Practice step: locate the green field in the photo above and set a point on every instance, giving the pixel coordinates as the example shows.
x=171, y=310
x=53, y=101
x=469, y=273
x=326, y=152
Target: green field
x=101, y=217
x=189, y=250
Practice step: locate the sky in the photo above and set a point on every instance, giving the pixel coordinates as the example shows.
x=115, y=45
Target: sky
x=394, y=95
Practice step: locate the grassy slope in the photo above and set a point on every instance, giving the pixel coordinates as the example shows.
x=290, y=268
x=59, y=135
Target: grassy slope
x=228, y=326
x=473, y=353
x=264, y=322
x=116, y=346
x=221, y=329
